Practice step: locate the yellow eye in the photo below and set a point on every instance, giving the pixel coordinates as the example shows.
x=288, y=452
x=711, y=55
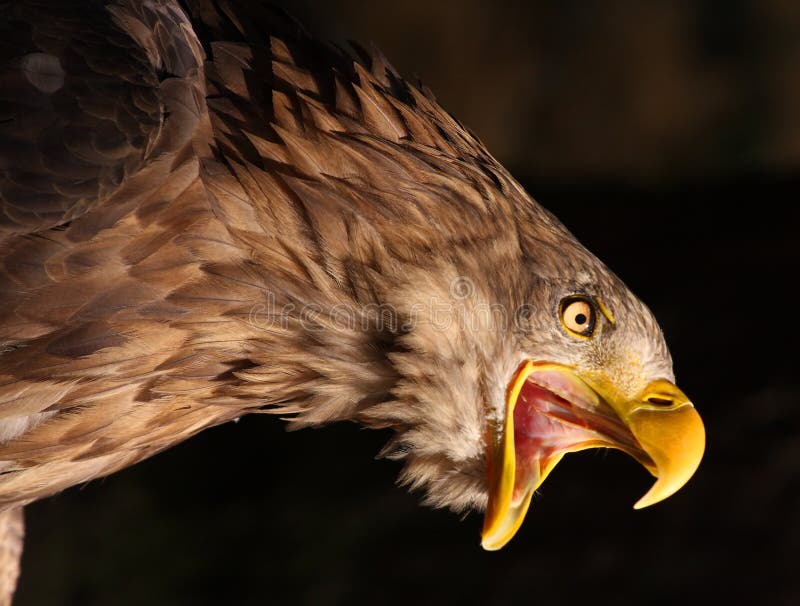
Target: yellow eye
x=578, y=315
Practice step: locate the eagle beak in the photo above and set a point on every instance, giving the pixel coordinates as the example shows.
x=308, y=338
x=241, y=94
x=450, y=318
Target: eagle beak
x=551, y=411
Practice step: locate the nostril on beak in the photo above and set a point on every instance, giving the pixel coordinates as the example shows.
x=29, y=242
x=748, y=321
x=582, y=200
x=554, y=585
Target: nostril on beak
x=661, y=400
x=664, y=394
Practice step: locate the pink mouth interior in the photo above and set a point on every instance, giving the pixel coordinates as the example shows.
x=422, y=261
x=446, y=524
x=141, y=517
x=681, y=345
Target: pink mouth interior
x=547, y=425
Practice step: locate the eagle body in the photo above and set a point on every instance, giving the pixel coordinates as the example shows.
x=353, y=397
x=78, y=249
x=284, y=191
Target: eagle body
x=237, y=248
x=205, y=212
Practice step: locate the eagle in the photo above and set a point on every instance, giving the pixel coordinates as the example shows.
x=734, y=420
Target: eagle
x=206, y=212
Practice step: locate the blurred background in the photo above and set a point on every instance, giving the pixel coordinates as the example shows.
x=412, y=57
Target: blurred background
x=666, y=135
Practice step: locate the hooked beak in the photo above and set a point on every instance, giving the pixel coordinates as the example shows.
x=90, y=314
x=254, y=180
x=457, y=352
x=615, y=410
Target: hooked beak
x=551, y=411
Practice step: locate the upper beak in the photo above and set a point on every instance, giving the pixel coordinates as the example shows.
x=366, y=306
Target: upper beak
x=668, y=428
x=659, y=427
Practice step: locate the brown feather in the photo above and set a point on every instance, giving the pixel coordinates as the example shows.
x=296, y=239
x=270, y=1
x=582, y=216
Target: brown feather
x=269, y=227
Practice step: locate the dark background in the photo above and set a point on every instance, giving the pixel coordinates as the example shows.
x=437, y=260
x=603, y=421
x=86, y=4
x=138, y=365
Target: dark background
x=666, y=135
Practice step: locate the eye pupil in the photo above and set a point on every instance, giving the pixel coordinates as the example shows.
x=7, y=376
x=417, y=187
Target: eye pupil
x=580, y=319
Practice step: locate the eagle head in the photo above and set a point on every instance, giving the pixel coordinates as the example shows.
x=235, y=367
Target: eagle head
x=513, y=354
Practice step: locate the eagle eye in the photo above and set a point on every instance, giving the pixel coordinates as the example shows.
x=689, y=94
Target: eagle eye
x=579, y=316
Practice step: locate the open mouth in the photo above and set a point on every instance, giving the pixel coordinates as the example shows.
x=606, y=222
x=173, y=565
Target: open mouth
x=554, y=416
x=551, y=410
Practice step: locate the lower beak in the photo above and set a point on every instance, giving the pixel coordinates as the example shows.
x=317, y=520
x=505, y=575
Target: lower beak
x=659, y=427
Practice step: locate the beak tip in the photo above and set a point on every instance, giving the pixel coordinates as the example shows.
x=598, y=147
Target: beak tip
x=675, y=440
x=653, y=496
x=494, y=539
x=488, y=546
